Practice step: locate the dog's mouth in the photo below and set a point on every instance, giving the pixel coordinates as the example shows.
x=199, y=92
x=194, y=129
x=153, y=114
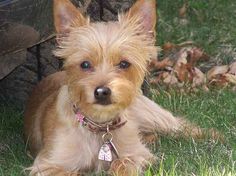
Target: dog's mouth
x=104, y=102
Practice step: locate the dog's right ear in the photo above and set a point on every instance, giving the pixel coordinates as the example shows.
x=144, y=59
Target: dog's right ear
x=146, y=11
x=66, y=15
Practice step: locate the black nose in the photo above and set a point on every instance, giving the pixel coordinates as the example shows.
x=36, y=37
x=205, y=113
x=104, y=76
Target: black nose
x=102, y=95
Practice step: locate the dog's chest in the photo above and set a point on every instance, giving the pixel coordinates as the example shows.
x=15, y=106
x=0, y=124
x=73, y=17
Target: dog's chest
x=79, y=149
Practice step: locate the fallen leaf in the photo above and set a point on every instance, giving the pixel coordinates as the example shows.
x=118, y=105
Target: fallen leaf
x=194, y=55
x=182, y=73
x=199, y=78
x=180, y=67
x=168, y=46
x=231, y=78
x=181, y=58
x=183, y=10
x=158, y=65
x=217, y=70
x=169, y=78
x=219, y=80
x=232, y=68
x=205, y=88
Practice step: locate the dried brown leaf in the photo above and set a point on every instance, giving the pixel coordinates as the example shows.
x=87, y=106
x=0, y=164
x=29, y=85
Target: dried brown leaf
x=168, y=46
x=183, y=10
x=214, y=72
x=219, y=80
x=155, y=64
x=180, y=67
x=199, y=78
x=182, y=73
x=169, y=78
x=232, y=68
x=231, y=78
x=194, y=55
x=181, y=58
x=205, y=88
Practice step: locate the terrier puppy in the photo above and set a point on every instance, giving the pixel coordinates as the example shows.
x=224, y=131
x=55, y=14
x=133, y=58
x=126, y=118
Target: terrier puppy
x=90, y=117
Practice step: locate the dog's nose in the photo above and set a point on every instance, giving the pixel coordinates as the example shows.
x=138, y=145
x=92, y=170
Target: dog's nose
x=102, y=95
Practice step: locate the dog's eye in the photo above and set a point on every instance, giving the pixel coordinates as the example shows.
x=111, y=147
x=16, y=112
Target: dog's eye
x=124, y=64
x=86, y=65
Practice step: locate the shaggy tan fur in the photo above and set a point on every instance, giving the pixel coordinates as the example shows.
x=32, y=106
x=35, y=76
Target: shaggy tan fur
x=63, y=147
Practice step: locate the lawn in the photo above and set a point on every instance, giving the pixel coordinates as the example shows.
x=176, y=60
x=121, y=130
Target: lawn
x=211, y=25
x=176, y=156
x=202, y=158
x=13, y=158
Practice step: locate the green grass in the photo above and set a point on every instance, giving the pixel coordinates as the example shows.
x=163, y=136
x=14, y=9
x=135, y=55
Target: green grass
x=176, y=157
x=13, y=157
x=209, y=23
x=203, y=158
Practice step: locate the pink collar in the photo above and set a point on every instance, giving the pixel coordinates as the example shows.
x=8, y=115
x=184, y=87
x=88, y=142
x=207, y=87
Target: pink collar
x=96, y=127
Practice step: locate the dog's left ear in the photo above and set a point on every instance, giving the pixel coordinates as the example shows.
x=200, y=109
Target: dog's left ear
x=146, y=11
x=66, y=15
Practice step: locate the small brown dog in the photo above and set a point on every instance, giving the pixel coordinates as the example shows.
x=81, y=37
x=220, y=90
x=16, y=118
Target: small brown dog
x=90, y=117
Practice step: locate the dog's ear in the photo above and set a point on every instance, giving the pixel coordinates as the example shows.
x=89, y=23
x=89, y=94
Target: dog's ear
x=66, y=15
x=146, y=10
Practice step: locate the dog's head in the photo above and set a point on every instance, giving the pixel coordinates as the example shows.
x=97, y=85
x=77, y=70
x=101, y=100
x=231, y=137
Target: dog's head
x=105, y=62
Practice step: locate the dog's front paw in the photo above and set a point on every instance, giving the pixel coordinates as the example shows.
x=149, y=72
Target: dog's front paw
x=123, y=167
x=51, y=171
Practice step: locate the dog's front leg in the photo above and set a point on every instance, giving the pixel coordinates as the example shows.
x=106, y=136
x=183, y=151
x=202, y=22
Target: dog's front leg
x=123, y=167
x=50, y=170
x=133, y=155
x=42, y=167
x=47, y=164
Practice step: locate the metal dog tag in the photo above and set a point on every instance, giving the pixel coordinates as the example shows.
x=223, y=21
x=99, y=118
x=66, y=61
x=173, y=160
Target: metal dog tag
x=105, y=153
